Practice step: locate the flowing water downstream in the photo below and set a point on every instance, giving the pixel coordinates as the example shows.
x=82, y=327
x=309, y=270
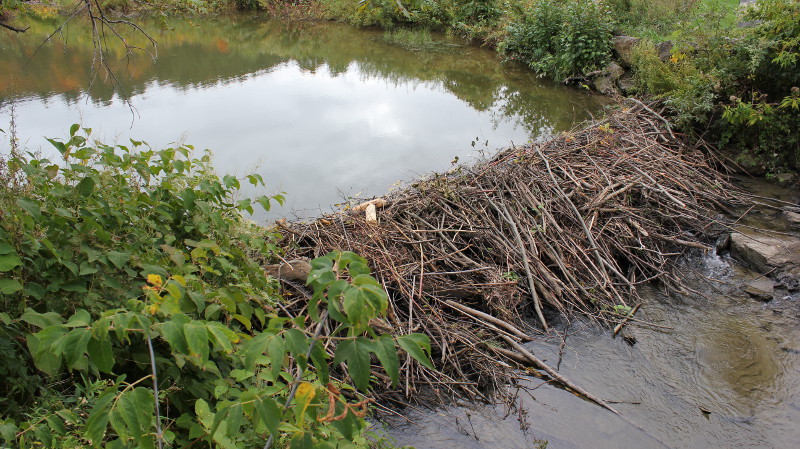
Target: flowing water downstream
x=324, y=112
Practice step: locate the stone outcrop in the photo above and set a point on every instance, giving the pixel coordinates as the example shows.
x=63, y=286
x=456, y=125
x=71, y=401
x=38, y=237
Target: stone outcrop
x=775, y=256
x=792, y=219
x=606, y=83
x=762, y=288
x=623, y=49
x=766, y=253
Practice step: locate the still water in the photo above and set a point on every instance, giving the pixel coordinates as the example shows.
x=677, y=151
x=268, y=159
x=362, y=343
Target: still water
x=322, y=111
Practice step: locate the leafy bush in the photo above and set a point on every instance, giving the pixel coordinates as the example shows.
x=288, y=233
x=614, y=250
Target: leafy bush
x=561, y=39
x=736, y=83
x=686, y=89
x=136, y=311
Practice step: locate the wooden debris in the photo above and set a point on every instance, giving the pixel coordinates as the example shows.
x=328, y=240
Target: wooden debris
x=570, y=226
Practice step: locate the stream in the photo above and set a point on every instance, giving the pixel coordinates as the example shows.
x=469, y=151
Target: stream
x=725, y=374
x=326, y=112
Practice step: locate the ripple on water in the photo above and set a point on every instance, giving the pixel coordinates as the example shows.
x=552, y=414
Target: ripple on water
x=728, y=354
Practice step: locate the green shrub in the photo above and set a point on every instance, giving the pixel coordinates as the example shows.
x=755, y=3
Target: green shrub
x=561, y=39
x=136, y=311
x=687, y=90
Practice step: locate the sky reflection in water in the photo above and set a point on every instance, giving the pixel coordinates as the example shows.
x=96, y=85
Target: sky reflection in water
x=382, y=115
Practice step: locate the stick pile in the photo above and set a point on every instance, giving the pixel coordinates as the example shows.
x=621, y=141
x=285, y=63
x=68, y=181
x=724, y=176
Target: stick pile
x=568, y=227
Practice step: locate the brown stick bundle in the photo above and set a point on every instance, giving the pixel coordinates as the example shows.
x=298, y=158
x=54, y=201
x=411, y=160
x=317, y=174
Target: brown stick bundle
x=570, y=227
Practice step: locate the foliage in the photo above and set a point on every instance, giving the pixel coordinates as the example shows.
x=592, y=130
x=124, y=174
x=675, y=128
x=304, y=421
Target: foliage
x=136, y=311
x=561, y=39
x=683, y=87
x=657, y=19
x=733, y=82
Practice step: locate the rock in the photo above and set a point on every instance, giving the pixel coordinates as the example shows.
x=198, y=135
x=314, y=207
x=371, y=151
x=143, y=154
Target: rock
x=607, y=82
x=723, y=242
x=623, y=47
x=295, y=270
x=785, y=179
x=626, y=83
x=763, y=289
x=792, y=218
x=765, y=254
x=664, y=51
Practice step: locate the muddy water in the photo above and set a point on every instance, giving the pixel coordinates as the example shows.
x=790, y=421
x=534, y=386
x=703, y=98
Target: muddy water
x=726, y=374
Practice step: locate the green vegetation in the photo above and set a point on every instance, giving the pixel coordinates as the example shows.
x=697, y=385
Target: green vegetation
x=731, y=74
x=136, y=312
x=560, y=39
x=737, y=84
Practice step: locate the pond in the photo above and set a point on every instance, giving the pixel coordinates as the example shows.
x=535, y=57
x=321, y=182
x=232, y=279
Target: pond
x=322, y=111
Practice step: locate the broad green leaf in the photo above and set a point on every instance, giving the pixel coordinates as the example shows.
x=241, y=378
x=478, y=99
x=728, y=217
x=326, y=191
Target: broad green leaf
x=253, y=349
x=233, y=422
x=119, y=259
x=230, y=182
x=75, y=344
x=137, y=410
x=86, y=186
x=203, y=412
x=97, y=422
x=301, y=440
x=101, y=354
x=356, y=354
x=39, y=347
x=9, y=286
x=197, y=339
x=9, y=261
x=346, y=426
x=387, y=354
x=223, y=336
x=276, y=350
x=86, y=269
x=296, y=342
x=172, y=331
x=268, y=413
x=8, y=431
x=35, y=290
x=319, y=357
x=417, y=346
x=359, y=311
x=80, y=318
x=30, y=206
x=43, y=434
x=56, y=425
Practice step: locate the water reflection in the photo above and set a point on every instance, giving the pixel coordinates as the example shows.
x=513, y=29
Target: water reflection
x=321, y=111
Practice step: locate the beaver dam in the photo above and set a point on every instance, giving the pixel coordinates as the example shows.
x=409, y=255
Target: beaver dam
x=481, y=258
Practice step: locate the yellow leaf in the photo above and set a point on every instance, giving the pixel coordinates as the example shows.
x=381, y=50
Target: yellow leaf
x=305, y=393
x=155, y=279
x=180, y=280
